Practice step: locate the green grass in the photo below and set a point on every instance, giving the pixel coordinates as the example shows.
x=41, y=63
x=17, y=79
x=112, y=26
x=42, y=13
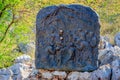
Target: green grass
x=7, y=60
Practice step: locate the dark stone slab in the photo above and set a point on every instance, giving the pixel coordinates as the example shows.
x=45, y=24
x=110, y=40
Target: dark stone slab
x=67, y=38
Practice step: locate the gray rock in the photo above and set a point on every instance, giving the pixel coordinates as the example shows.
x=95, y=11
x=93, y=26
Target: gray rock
x=20, y=71
x=28, y=48
x=23, y=58
x=117, y=39
x=79, y=76
x=33, y=73
x=73, y=76
x=22, y=47
x=47, y=75
x=104, y=43
x=116, y=50
x=116, y=69
x=103, y=73
x=84, y=75
x=61, y=74
x=5, y=77
x=105, y=56
x=5, y=74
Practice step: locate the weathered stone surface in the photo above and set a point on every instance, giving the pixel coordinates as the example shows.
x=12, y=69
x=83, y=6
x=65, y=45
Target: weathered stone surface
x=116, y=69
x=73, y=76
x=105, y=56
x=20, y=71
x=79, y=76
x=23, y=58
x=103, y=73
x=84, y=75
x=47, y=75
x=67, y=38
x=5, y=77
x=28, y=48
x=104, y=43
x=5, y=74
x=60, y=74
x=117, y=39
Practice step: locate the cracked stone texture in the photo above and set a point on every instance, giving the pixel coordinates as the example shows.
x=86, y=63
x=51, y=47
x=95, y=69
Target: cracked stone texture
x=67, y=38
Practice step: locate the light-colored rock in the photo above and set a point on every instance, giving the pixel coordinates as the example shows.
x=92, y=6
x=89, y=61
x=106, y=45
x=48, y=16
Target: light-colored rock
x=23, y=58
x=5, y=77
x=5, y=74
x=73, y=76
x=103, y=73
x=60, y=74
x=117, y=39
x=47, y=75
x=105, y=56
x=116, y=50
x=116, y=69
x=104, y=38
x=104, y=43
x=108, y=45
x=20, y=71
x=84, y=76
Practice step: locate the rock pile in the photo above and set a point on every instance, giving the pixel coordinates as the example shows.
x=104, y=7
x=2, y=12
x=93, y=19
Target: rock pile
x=24, y=69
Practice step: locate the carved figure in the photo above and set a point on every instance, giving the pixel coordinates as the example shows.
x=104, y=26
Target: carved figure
x=67, y=38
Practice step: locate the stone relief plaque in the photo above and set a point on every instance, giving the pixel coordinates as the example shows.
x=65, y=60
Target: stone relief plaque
x=67, y=38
